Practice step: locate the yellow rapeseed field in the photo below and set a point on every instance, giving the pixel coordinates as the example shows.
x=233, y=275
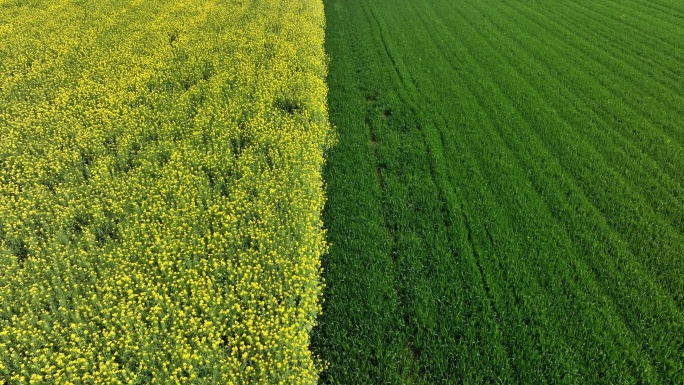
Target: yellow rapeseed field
x=160, y=190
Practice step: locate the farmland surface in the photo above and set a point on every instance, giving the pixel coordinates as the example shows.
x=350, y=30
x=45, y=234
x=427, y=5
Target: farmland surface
x=160, y=191
x=506, y=201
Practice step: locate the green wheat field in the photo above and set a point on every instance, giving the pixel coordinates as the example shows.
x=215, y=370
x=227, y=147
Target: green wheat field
x=506, y=200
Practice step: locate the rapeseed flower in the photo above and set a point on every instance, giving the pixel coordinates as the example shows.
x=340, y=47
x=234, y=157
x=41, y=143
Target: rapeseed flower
x=160, y=191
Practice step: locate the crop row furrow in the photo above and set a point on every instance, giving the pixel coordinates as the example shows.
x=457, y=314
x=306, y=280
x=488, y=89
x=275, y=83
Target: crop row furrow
x=429, y=146
x=611, y=66
x=540, y=102
x=585, y=125
x=462, y=96
x=672, y=9
x=667, y=188
x=635, y=17
x=641, y=56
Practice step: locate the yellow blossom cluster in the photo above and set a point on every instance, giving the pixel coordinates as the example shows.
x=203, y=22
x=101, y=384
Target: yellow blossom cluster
x=160, y=190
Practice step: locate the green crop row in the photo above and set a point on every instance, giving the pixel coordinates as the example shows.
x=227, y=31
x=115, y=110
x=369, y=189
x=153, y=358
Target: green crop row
x=160, y=190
